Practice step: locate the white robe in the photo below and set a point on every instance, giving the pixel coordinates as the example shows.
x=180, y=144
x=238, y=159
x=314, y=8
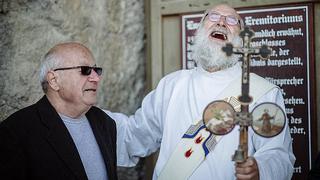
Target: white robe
x=177, y=102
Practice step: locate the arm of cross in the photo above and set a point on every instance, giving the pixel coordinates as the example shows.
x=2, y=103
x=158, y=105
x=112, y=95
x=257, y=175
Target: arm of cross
x=246, y=50
x=264, y=52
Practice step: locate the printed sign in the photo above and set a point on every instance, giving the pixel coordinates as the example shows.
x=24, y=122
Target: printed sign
x=287, y=29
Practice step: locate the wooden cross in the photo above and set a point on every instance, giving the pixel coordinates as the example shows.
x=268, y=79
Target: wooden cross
x=244, y=118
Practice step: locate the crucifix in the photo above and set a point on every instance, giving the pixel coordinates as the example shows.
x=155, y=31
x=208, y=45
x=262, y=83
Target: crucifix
x=220, y=116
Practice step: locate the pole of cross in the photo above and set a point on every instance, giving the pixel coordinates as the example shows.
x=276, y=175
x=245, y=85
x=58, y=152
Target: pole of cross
x=244, y=118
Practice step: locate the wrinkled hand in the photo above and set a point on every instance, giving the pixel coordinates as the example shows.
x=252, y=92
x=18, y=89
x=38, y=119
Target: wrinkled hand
x=247, y=170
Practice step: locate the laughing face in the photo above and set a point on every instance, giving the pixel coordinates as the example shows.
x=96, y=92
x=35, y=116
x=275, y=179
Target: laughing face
x=220, y=26
x=223, y=24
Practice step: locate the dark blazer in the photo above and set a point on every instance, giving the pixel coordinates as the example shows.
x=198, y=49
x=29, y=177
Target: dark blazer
x=35, y=144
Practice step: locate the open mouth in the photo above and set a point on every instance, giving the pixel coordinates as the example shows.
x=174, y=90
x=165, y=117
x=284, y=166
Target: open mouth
x=94, y=90
x=219, y=35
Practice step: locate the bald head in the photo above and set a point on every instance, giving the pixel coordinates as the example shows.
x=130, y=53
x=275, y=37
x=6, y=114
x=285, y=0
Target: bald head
x=225, y=8
x=60, y=55
x=69, y=48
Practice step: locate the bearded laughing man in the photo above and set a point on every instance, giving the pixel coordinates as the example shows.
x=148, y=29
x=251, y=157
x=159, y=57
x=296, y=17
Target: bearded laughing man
x=171, y=111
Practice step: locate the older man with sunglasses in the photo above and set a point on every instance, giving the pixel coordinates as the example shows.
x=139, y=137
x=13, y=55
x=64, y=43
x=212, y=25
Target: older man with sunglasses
x=170, y=116
x=62, y=136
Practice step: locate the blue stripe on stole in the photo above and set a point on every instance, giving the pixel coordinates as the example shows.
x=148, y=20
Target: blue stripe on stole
x=190, y=136
x=206, y=150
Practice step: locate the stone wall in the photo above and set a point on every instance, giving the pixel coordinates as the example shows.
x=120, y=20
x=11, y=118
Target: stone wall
x=112, y=29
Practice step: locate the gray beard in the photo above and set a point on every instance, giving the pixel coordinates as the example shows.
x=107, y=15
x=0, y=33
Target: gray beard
x=209, y=55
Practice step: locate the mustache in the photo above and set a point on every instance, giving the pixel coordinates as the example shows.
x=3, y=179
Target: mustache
x=219, y=29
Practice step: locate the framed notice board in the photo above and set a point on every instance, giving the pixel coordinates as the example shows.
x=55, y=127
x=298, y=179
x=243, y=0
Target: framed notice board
x=288, y=30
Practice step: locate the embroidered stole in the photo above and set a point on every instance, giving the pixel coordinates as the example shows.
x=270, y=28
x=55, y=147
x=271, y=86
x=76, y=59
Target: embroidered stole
x=197, y=142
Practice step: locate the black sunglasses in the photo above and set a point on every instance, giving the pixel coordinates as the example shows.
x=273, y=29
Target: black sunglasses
x=85, y=70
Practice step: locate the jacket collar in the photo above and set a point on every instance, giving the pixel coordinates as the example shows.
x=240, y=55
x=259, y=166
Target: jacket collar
x=99, y=124
x=59, y=137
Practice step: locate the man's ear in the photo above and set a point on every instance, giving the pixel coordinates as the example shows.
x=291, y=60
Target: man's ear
x=52, y=80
